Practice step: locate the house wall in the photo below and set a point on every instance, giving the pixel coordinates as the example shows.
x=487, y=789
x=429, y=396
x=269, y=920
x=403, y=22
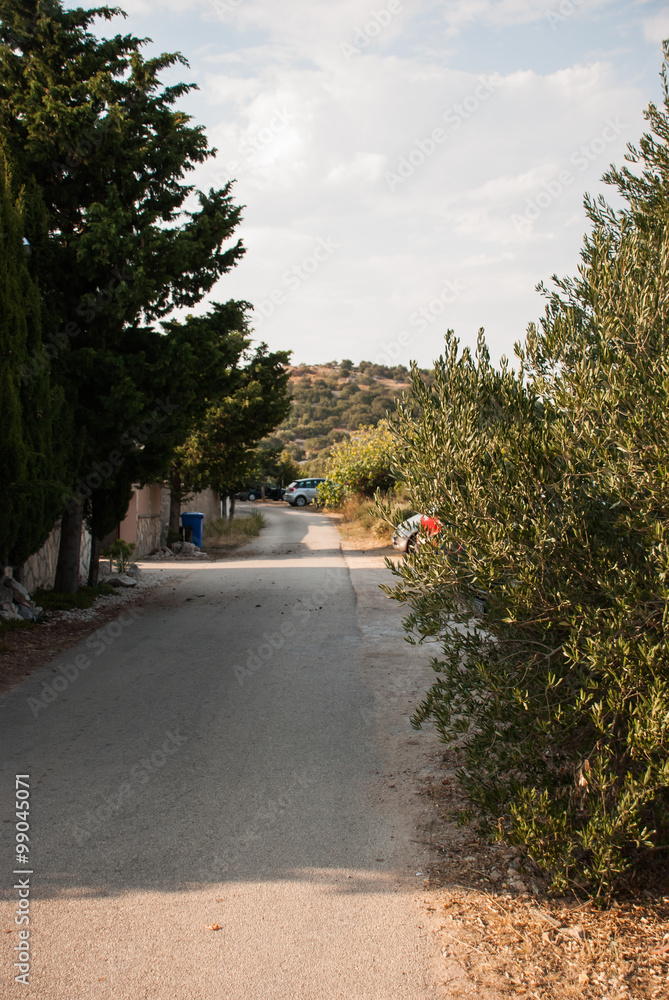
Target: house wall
x=208, y=502
x=142, y=523
x=128, y=526
x=149, y=505
x=145, y=525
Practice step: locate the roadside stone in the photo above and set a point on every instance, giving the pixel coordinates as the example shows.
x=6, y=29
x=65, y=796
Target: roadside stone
x=9, y=612
x=28, y=613
x=18, y=588
x=121, y=580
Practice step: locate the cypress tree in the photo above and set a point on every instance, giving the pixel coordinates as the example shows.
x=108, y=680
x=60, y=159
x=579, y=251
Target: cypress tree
x=33, y=450
x=90, y=120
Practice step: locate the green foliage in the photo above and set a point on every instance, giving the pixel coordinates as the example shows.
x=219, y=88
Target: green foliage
x=84, y=598
x=330, y=494
x=221, y=453
x=109, y=153
x=34, y=442
x=325, y=410
x=273, y=464
x=362, y=463
x=14, y=625
x=120, y=551
x=237, y=529
x=553, y=491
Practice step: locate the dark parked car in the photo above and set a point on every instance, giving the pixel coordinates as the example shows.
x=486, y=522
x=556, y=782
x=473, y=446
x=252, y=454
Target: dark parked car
x=272, y=492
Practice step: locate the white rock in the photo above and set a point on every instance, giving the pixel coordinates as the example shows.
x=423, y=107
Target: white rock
x=18, y=588
x=121, y=580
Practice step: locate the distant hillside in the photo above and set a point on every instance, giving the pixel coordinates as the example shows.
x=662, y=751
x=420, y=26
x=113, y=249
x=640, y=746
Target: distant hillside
x=331, y=400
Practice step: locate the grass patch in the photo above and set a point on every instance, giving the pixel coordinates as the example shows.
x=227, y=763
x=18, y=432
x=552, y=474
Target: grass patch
x=84, y=598
x=225, y=534
x=15, y=625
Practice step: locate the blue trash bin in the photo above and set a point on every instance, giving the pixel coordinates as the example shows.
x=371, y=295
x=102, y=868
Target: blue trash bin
x=194, y=521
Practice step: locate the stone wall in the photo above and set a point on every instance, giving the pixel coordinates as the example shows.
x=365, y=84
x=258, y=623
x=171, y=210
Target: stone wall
x=40, y=569
x=148, y=535
x=208, y=502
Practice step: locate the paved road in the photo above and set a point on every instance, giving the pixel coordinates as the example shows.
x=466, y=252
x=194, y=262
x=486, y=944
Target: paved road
x=225, y=760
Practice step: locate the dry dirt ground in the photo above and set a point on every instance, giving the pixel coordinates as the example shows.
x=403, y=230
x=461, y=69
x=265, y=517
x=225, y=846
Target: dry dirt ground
x=517, y=939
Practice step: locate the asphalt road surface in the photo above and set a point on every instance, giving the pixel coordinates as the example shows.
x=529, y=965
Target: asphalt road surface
x=228, y=758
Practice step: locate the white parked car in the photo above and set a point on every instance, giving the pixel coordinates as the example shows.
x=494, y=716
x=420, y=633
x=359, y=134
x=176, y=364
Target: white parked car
x=301, y=492
x=419, y=529
x=407, y=536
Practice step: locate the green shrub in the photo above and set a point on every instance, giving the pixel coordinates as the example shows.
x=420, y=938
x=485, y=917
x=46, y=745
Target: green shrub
x=330, y=494
x=120, y=551
x=556, y=481
x=362, y=463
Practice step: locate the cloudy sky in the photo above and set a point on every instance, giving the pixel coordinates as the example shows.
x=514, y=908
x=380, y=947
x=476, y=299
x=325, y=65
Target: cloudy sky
x=407, y=166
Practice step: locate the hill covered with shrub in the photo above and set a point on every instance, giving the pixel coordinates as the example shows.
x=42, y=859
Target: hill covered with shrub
x=332, y=400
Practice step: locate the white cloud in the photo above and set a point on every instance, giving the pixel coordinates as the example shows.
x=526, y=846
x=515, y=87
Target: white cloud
x=478, y=135
x=656, y=28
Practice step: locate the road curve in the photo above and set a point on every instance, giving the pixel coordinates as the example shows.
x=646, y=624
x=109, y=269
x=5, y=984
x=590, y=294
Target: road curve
x=212, y=813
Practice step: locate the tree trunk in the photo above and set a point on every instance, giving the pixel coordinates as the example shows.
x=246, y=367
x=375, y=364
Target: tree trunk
x=175, y=500
x=232, y=507
x=67, y=570
x=94, y=568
